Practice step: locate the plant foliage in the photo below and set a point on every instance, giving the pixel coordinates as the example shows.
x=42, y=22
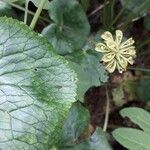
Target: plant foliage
x=135, y=139
x=37, y=89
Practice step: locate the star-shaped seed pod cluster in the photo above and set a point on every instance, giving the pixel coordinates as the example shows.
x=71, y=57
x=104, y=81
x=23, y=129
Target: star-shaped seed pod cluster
x=117, y=54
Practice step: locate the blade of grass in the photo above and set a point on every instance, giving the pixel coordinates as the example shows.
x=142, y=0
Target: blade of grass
x=23, y=9
x=108, y=14
x=112, y=9
x=104, y=13
x=131, y=16
x=120, y=13
x=97, y=9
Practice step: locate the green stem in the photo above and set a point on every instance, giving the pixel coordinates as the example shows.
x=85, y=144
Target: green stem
x=119, y=14
x=139, y=69
x=37, y=14
x=144, y=43
x=26, y=12
x=104, y=13
x=112, y=9
x=107, y=110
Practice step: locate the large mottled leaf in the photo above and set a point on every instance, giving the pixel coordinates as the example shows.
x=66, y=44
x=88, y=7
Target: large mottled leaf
x=132, y=139
x=75, y=125
x=37, y=89
x=138, y=116
x=97, y=141
x=138, y=7
x=70, y=27
x=90, y=72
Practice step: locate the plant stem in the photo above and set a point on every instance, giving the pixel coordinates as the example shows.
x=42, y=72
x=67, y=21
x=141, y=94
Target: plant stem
x=23, y=9
x=119, y=14
x=26, y=12
x=107, y=110
x=112, y=8
x=104, y=14
x=97, y=9
x=139, y=69
x=37, y=14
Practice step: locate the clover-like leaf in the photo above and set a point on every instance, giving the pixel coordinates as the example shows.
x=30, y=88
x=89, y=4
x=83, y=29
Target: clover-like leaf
x=70, y=27
x=37, y=89
x=132, y=139
x=138, y=116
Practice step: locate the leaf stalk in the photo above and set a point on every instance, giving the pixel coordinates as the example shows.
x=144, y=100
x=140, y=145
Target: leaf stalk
x=37, y=14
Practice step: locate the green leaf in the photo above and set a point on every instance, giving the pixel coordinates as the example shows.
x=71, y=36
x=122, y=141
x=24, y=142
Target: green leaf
x=132, y=139
x=6, y=10
x=97, y=141
x=83, y=82
x=70, y=27
x=138, y=116
x=37, y=3
x=37, y=89
x=89, y=71
x=138, y=7
x=75, y=125
x=142, y=89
